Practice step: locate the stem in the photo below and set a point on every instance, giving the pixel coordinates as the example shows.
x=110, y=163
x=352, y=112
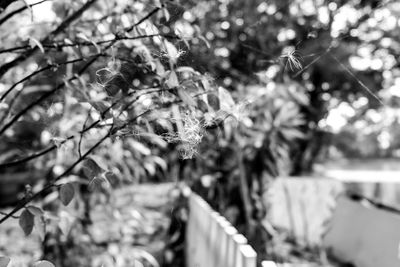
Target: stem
x=52, y=184
x=244, y=188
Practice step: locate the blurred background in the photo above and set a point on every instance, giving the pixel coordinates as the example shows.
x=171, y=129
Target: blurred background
x=282, y=115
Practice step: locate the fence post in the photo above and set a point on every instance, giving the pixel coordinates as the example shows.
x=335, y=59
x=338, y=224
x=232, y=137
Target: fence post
x=212, y=239
x=249, y=256
x=203, y=230
x=238, y=240
x=230, y=231
x=268, y=264
x=221, y=237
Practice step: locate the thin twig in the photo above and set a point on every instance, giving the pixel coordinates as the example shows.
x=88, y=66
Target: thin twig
x=19, y=10
x=53, y=147
x=86, y=43
x=82, y=70
x=26, y=200
x=52, y=184
x=4, y=213
x=28, y=53
x=49, y=66
x=358, y=80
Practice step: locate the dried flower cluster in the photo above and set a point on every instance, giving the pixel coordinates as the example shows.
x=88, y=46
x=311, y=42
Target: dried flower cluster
x=189, y=136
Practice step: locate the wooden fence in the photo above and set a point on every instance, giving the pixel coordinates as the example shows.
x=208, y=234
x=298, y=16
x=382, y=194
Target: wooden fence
x=212, y=241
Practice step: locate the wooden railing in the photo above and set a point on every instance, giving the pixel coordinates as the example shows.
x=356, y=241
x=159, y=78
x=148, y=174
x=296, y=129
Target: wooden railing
x=211, y=241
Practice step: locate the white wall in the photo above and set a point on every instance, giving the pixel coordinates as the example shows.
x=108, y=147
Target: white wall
x=364, y=235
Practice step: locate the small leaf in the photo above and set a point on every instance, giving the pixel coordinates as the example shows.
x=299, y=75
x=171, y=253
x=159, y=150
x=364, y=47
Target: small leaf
x=26, y=221
x=83, y=36
x=112, y=178
x=213, y=101
x=166, y=14
x=97, y=183
x=67, y=193
x=185, y=69
x=35, y=210
x=206, y=84
x=226, y=100
x=43, y=264
x=40, y=225
x=202, y=105
x=91, y=168
x=4, y=261
x=173, y=53
x=102, y=107
x=36, y=43
x=65, y=222
x=172, y=81
x=186, y=98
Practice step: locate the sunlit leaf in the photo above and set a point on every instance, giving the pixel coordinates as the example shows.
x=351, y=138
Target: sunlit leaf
x=226, y=100
x=67, y=193
x=173, y=53
x=37, y=43
x=26, y=221
x=40, y=226
x=186, y=98
x=172, y=81
x=166, y=14
x=185, y=69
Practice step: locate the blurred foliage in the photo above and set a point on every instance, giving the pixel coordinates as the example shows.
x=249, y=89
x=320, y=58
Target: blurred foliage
x=224, y=95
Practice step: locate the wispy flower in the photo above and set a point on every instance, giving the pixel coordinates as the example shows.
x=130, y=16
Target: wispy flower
x=293, y=59
x=189, y=136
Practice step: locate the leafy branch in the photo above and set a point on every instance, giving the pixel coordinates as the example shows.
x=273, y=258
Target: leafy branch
x=28, y=53
x=62, y=85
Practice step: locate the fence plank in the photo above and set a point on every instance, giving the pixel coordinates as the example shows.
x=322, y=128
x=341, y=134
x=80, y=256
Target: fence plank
x=249, y=256
x=212, y=241
x=268, y=264
x=229, y=232
x=238, y=240
x=221, y=236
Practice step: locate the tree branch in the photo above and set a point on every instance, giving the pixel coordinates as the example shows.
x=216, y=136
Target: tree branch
x=52, y=184
x=47, y=188
x=19, y=10
x=53, y=147
x=49, y=66
x=28, y=53
x=4, y=4
x=83, y=69
x=78, y=43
